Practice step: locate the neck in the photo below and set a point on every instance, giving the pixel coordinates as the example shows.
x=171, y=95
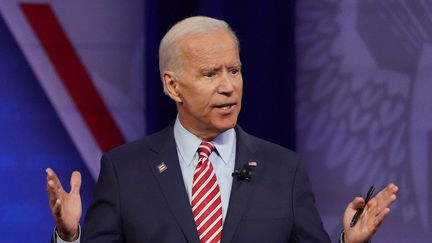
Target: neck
x=203, y=134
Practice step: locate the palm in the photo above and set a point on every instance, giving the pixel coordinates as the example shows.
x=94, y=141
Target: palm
x=66, y=208
x=372, y=216
x=360, y=230
x=70, y=211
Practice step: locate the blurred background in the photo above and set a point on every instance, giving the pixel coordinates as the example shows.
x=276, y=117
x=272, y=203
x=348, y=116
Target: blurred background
x=343, y=82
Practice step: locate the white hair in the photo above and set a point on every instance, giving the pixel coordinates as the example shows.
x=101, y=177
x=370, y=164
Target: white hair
x=169, y=48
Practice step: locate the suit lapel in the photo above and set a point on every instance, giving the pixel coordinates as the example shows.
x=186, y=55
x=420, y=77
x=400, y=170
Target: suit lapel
x=241, y=190
x=172, y=184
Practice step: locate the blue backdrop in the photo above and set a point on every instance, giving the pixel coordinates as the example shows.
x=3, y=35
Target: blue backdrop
x=33, y=139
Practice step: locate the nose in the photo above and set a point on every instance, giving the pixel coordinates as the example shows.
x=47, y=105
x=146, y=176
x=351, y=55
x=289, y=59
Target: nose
x=226, y=86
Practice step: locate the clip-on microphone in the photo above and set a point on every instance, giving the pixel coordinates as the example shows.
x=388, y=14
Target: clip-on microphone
x=245, y=173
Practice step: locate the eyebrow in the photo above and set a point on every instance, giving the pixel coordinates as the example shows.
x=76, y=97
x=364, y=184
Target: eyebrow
x=237, y=65
x=210, y=69
x=217, y=68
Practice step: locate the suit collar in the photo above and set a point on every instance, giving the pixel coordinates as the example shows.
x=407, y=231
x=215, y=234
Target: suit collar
x=241, y=191
x=171, y=182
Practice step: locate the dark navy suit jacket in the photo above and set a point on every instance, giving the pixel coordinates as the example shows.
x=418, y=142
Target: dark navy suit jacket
x=135, y=202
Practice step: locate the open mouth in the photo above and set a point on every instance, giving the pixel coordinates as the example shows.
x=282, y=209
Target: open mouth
x=226, y=106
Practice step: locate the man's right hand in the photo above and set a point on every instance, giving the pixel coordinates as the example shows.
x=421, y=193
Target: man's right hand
x=65, y=207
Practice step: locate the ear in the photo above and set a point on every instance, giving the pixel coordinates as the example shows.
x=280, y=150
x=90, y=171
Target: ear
x=171, y=86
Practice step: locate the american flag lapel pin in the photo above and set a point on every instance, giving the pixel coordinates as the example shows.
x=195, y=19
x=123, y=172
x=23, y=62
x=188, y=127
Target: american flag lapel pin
x=162, y=167
x=253, y=164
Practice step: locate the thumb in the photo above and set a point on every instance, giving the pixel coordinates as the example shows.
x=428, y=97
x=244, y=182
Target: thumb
x=357, y=203
x=75, y=182
x=351, y=209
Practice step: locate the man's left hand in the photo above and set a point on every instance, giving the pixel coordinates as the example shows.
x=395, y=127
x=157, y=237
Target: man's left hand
x=372, y=217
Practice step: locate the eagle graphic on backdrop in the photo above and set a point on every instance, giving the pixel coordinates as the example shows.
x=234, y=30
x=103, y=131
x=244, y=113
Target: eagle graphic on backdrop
x=364, y=102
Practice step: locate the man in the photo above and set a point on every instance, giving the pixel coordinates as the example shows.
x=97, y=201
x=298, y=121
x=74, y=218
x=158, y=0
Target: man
x=160, y=189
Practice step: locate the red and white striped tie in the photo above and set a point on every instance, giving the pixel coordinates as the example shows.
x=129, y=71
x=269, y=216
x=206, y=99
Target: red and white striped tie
x=206, y=199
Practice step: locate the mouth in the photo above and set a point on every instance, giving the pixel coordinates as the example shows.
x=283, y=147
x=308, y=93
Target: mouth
x=225, y=107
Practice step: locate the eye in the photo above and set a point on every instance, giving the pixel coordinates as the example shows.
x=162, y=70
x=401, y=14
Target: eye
x=234, y=71
x=210, y=74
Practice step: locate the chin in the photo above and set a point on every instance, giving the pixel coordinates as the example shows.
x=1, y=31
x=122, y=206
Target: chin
x=225, y=124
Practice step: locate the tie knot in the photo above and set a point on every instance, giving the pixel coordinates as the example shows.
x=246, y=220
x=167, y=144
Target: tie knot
x=205, y=149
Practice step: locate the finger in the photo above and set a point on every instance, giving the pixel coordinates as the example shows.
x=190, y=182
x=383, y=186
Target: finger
x=52, y=176
x=374, y=222
x=49, y=176
x=385, y=193
x=380, y=217
x=387, y=196
x=374, y=212
x=357, y=203
x=52, y=193
x=393, y=188
x=54, y=187
x=383, y=205
x=390, y=189
x=370, y=211
x=351, y=209
x=75, y=182
x=372, y=204
x=56, y=210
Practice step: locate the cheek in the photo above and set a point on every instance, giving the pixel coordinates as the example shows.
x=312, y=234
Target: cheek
x=239, y=88
x=197, y=102
x=239, y=83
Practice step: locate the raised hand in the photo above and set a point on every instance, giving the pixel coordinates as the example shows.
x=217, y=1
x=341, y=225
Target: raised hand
x=65, y=207
x=372, y=216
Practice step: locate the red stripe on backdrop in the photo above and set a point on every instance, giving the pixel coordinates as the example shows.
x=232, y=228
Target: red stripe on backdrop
x=73, y=75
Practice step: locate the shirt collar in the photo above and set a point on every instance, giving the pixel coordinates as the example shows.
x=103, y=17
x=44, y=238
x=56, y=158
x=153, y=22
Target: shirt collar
x=188, y=143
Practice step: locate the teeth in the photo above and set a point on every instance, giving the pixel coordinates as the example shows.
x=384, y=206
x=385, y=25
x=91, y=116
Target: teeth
x=226, y=107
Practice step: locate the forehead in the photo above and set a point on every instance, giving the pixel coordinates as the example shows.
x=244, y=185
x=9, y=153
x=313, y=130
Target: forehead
x=214, y=46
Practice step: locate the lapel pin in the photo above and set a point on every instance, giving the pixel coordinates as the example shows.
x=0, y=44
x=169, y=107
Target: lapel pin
x=162, y=167
x=253, y=163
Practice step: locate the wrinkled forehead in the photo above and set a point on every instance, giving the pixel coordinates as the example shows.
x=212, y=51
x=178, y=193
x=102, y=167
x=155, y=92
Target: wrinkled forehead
x=215, y=44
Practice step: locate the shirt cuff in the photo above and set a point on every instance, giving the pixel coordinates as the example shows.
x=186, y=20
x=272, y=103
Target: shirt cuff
x=57, y=238
x=341, y=237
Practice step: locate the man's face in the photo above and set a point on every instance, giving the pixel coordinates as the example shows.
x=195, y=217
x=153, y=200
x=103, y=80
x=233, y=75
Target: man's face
x=209, y=86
